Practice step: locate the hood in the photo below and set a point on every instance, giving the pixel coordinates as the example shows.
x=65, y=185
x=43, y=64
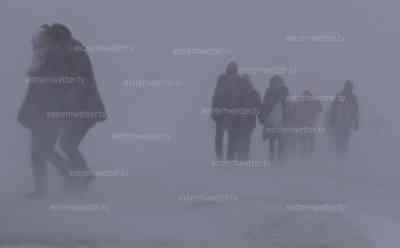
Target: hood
x=232, y=68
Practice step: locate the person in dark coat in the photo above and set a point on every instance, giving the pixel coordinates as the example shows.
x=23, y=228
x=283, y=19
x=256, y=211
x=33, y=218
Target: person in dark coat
x=44, y=96
x=250, y=103
x=62, y=102
x=274, y=116
x=344, y=118
x=82, y=104
x=225, y=102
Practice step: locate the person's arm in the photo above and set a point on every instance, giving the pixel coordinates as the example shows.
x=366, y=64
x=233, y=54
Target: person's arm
x=35, y=87
x=87, y=91
x=75, y=92
x=24, y=113
x=215, y=103
x=356, y=113
x=263, y=108
x=85, y=72
x=94, y=97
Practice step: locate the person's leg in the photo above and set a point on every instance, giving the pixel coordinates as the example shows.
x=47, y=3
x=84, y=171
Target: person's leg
x=304, y=145
x=60, y=163
x=272, y=141
x=281, y=148
x=232, y=144
x=39, y=170
x=342, y=139
x=239, y=143
x=300, y=143
x=295, y=141
x=291, y=140
x=70, y=139
x=219, y=139
x=338, y=143
x=245, y=147
x=311, y=144
x=44, y=138
x=346, y=143
x=63, y=167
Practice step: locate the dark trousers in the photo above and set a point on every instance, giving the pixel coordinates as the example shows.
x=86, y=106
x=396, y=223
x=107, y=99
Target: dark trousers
x=243, y=144
x=306, y=143
x=44, y=138
x=233, y=139
x=276, y=148
x=342, y=141
x=219, y=140
x=71, y=137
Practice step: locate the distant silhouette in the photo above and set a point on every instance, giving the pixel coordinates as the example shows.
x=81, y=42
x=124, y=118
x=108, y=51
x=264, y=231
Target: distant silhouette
x=81, y=96
x=250, y=103
x=274, y=117
x=43, y=96
x=61, y=104
x=344, y=118
x=224, y=102
x=304, y=115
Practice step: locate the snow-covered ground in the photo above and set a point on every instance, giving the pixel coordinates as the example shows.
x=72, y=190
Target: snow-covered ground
x=167, y=193
x=301, y=206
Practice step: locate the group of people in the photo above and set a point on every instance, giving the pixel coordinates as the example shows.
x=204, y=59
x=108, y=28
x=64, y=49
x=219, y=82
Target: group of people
x=61, y=105
x=289, y=123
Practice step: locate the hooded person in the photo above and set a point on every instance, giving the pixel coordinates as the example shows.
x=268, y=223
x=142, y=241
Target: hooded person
x=43, y=97
x=44, y=92
x=250, y=103
x=305, y=114
x=82, y=97
x=82, y=104
x=225, y=101
x=274, y=116
x=344, y=118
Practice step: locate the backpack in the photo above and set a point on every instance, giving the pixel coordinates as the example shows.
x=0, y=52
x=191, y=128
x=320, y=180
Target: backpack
x=343, y=112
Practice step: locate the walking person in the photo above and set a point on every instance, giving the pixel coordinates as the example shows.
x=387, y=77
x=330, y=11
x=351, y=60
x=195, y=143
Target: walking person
x=250, y=103
x=83, y=106
x=306, y=112
x=225, y=101
x=44, y=95
x=344, y=118
x=273, y=117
